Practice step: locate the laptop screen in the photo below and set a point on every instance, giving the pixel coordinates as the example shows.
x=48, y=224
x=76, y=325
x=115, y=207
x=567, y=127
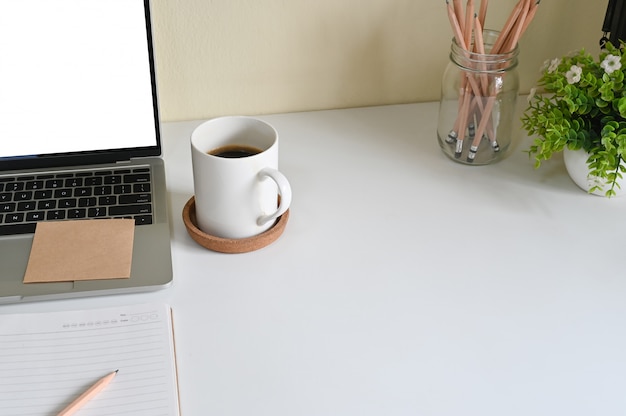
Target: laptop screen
x=76, y=76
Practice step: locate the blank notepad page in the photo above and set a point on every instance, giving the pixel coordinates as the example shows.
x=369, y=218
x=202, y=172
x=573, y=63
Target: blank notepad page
x=48, y=360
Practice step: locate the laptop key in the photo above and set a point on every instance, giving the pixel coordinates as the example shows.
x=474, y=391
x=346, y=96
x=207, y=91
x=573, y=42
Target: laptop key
x=62, y=193
x=82, y=192
x=26, y=206
x=48, y=204
x=35, y=216
x=54, y=183
x=34, y=185
x=73, y=182
x=102, y=190
x=107, y=200
x=135, y=199
x=135, y=178
x=141, y=188
x=143, y=219
x=8, y=207
x=95, y=181
x=77, y=213
x=96, y=212
x=14, y=229
x=87, y=202
x=113, y=180
x=130, y=209
x=57, y=214
x=16, y=217
x=122, y=189
x=23, y=196
x=14, y=186
x=45, y=194
x=67, y=203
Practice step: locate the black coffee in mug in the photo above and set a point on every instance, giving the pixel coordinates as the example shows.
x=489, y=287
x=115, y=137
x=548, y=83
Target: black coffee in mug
x=234, y=151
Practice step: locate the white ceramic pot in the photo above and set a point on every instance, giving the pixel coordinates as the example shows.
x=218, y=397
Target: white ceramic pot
x=576, y=165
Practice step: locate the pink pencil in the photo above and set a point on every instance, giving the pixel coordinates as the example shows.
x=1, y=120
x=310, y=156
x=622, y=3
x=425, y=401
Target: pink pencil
x=87, y=395
x=456, y=28
x=516, y=31
x=531, y=15
x=480, y=48
x=504, y=33
x=469, y=15
x=481, y=127
x=458, y=11
x=482, y=13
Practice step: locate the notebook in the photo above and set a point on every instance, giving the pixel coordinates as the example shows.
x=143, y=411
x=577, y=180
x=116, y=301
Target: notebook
x=49, y=359
x=79, y=136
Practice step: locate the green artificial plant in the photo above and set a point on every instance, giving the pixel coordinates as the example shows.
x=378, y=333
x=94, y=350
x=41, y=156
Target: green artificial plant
x=581, y=103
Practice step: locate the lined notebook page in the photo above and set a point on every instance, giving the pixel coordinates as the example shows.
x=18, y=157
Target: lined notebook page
x=47, y=360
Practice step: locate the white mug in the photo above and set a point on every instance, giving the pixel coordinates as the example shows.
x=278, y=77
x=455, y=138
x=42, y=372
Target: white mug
x=236, y=177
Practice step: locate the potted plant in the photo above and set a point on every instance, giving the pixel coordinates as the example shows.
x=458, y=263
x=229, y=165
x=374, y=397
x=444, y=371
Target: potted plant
x=581, y=107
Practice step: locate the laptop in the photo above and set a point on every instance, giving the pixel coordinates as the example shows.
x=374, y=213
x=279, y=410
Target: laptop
x=79, y=136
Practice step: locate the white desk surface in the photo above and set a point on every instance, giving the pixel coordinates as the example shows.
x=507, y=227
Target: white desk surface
x=404, y=284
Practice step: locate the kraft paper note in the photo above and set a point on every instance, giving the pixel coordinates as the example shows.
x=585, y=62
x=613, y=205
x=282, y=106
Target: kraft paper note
x=81, y=250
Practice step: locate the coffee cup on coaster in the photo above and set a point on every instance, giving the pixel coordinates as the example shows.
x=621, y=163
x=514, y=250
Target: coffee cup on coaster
x=236, y=179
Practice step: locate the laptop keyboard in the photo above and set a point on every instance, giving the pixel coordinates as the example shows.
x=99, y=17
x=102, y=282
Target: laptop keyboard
x=113, y=193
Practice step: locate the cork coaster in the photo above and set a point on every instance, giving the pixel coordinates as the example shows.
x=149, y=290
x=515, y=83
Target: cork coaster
x=228, y=245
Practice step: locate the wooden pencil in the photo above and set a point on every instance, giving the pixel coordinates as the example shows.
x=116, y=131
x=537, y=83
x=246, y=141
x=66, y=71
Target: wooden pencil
x=463, y=116
x=479, y=43
x=458, y=11
x=456, y=28
x=516, y=31
x=506, y=29
x=482, y=126
x=469, y=16
x=482, y=12
x=531, y=15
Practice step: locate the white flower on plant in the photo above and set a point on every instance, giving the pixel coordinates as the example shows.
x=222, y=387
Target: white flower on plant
x=611, y=63
x=531, y=94
x=574, y=74
x=553, y=65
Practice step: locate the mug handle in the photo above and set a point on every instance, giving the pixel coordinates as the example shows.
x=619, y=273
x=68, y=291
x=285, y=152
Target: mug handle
x=284, y=189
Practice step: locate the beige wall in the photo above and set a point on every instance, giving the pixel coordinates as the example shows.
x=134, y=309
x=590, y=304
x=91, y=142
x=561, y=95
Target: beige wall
x=217, y=57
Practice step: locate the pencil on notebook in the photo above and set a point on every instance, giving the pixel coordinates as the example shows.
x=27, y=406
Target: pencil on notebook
x=89, y=394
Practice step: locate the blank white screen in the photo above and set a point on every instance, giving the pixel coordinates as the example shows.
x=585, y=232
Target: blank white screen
x=74, y=76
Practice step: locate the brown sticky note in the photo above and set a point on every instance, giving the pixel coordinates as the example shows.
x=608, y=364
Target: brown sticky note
x=81, y=250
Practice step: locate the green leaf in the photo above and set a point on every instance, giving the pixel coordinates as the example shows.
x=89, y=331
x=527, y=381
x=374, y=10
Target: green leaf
x=621, y=106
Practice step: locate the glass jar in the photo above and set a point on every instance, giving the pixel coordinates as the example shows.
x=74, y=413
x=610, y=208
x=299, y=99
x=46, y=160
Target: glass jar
x=477, y=108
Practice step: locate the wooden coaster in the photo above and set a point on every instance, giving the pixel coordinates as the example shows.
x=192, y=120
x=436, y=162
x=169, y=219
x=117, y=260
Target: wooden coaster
x=228, y=245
